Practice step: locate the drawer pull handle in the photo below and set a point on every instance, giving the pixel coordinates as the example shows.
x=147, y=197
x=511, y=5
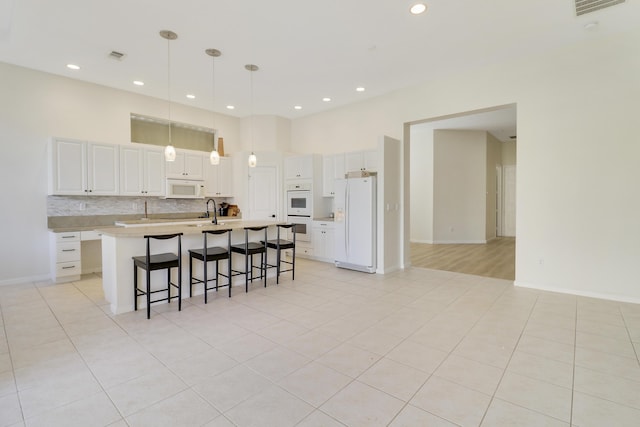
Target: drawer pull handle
x=67, y=268
x=68, y=250
x=69, y=237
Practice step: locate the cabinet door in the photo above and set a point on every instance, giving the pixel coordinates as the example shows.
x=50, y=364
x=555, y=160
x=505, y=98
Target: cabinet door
x=153, y=172
x=339, y=167
x=298, y=167
x=328, y=172
x=370, y=160
x=305, y=167
x=102, y=169
x=225, y=178
x=131, y=171
x=68, y=167
x=291, y=169
x=175, y=169
x=317, y=237
x=354, y=161
x=193, y=166
x=329, y=244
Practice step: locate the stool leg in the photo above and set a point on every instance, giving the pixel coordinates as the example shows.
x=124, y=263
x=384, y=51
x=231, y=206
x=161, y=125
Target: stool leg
x=263, y=266
x=246, y=272
x=179, y=288
x=168, y=286
x=190, y=276
x=148, y=293
x=204, y=268
x=216, y=279
x=135, y=287
x=278, y=266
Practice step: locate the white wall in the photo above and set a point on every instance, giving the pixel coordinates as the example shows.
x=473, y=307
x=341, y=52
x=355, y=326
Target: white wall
x=494, y=158
x=459, y=186
x=421, y=167
x=578, y=200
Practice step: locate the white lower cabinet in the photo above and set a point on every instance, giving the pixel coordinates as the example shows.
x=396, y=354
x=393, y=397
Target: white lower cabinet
x=66, y=264
x=322, y=236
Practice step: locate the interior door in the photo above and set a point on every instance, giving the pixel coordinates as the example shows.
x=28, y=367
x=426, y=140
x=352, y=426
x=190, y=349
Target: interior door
x=264, y=198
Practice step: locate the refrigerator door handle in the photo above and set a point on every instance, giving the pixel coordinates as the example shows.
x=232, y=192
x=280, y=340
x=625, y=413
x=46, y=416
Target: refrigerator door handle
x=346, y=220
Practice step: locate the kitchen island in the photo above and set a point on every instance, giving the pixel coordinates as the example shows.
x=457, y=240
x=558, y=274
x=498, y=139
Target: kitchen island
x=120, y=244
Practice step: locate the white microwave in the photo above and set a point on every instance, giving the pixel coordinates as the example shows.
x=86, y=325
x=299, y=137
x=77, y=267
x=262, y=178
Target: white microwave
x=184, y=189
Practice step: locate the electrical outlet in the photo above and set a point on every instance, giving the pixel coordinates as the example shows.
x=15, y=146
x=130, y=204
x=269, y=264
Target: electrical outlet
x=82, y=206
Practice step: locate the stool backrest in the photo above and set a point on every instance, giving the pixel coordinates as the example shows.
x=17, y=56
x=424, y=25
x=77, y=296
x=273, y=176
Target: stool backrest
x=216, y=232
x=292, y=227
x=259, y=228
x=148, y=237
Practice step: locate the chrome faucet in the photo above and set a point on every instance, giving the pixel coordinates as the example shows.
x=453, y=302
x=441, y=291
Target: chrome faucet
x=215, y=215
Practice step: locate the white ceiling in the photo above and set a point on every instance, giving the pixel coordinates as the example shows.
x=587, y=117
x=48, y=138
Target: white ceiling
x=306, y=50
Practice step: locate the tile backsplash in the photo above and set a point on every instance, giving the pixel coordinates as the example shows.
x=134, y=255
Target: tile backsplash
x=113, y=205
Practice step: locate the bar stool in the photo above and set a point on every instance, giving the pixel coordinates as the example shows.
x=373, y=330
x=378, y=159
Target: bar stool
x=151, y=263
x=206, y=255
x=280, y=245
x=249, y=249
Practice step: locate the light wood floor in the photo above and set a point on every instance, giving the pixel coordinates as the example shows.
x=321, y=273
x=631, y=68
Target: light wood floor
x=495, y=259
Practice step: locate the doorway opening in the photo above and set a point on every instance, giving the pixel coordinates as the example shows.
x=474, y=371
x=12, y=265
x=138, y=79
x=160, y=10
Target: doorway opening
x=462, y=192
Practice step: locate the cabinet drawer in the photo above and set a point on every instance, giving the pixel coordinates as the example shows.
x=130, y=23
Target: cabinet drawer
x=68, y=251
x=68, y=237
x=90, y=235
x=301, y=250
x=68, y=269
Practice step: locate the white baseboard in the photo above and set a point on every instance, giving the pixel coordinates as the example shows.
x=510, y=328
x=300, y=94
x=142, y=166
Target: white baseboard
x=460, y=242
x=23, y=280
x=588, y=294
x=428, y=242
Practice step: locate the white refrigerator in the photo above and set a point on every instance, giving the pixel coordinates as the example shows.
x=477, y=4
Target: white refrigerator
x=355, y=222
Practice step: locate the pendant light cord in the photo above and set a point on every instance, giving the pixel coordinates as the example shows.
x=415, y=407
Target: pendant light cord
x=169, y=83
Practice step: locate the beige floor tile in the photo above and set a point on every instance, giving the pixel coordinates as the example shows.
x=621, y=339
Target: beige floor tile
x=551, y=332
x=349, y=359
x=319, y=419
x=471, y=374
x=619, y=347
x=246, y=347
x=282, y=331
x=539, y=396
x=10, y=412
x=271, y=407
x=7, y=383
x=542, y=368
x=277, y=363
x=394, y=378
x=411, y=416
x=231, y=387
x=183, y=409
x=312, y=344
x=197, y=368
x=376, y=341
x=605, y=386
x=608, y=363
x=314, y=383
x=452, y=402
x=220, y=421
x=438, y=338
x=501, y=413
x=418, y=356
x=144, y=391
x=590, y=411
x=95, y=409
x=481, y=351
x=361, y=405
x=545, y=348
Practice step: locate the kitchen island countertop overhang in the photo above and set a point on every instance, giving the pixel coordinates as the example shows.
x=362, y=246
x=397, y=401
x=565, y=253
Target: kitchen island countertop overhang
x=120, y=244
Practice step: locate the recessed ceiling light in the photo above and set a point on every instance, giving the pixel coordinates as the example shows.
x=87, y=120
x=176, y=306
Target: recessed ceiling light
x=191, y=96
x=138, y=83
x=326, y=99
x=230, y=107
x=73, y=66
x=360, y=89
x=418, y=8
x=298, y=107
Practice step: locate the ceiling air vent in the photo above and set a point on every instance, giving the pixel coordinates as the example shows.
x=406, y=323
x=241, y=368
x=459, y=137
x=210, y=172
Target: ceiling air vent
x=116, y=55
x=588, y=6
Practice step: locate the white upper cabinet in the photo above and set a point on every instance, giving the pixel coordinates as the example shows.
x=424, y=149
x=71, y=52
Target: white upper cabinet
x=218, y=178
x=298, y=167
x=141, y=171
x=333, y=167
x=79, y=167
x=361, y=160
x=186, y=166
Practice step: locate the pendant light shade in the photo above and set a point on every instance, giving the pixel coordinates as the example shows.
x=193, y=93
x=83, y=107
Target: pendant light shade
x=169, y=151
x=252, y=160
x=214, y=157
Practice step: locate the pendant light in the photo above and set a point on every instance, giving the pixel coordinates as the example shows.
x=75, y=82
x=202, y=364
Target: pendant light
x=253, y=160
x=169, y=151
x=214, y=157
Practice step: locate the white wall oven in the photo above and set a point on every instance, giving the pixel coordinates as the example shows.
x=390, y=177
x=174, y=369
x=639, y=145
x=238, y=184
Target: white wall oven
x=299, y=199
x=302, y=226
